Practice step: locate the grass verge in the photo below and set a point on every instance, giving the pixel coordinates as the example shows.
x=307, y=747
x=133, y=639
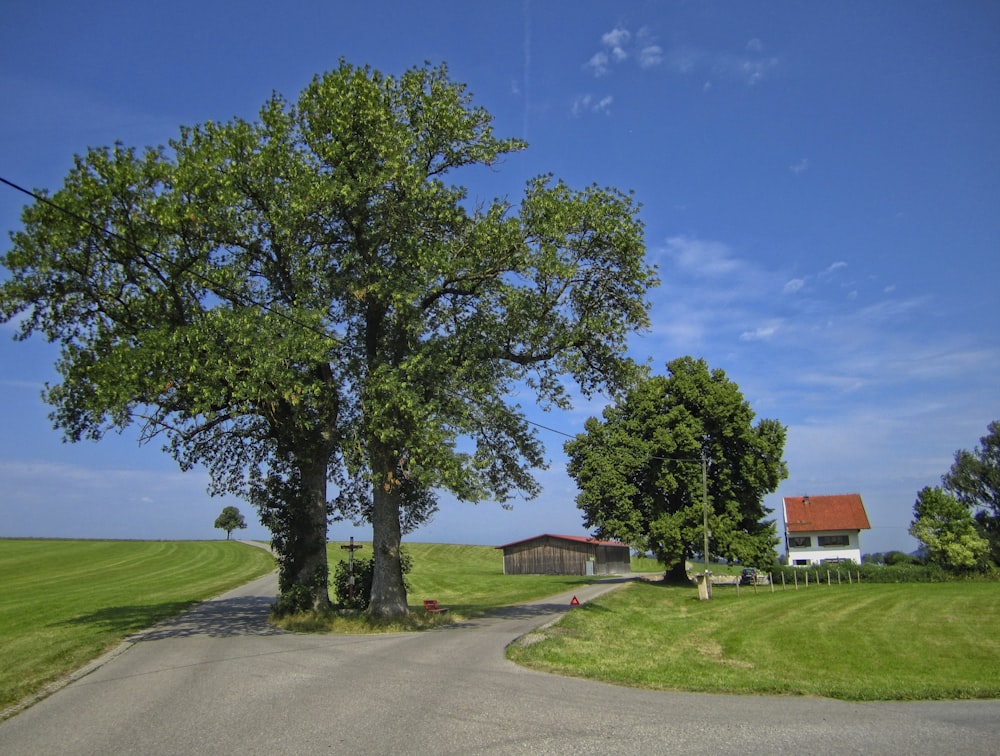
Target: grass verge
x=63, y=603
x=859, y=643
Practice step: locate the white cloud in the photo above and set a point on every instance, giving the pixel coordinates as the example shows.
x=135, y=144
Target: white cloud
x=761, y=333
x=620, y=45
x=794, y=285
x=588, y=103
x=599, y=64
x=746, y=67
x=833, y=268
x=702, y=257
x=799, y=166
x=650, y=56
x=616, y=39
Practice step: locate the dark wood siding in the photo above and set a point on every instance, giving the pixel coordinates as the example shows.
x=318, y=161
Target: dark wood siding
x=555, y=556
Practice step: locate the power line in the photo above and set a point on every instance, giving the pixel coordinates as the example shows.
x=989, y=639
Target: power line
x=238, y=298
x=212, y=284
x=234, y=295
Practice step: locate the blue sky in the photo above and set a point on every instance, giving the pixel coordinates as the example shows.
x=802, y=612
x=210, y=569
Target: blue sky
x=820, y=187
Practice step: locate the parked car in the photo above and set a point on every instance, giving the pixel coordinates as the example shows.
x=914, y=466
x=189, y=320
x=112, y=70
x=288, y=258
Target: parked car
x=748, y=576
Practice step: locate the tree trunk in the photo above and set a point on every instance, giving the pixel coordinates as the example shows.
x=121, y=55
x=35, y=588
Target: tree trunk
x=388, y=597
x=297, y=520
x=677, y=574
x=313, y=570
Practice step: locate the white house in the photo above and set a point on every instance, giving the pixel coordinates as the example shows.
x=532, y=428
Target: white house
x=824, y=528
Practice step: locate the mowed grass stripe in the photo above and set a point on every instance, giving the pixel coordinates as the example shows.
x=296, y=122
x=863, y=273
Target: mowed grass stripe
x=63, y=603
x=868, y=642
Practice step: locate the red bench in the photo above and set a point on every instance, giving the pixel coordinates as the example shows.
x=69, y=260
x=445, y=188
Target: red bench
x=431, y=605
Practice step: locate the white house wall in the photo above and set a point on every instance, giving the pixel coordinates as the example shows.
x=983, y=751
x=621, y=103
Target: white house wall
x=816, y=554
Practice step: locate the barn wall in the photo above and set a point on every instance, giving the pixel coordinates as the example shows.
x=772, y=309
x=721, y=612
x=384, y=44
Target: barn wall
x=551, y=556
x=546, y=556
x=613, y=560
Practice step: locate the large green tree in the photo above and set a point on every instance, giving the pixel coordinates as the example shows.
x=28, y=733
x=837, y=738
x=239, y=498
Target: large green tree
x=640, y=468
x=974, y=479
x=945, y=526
x=304, y=299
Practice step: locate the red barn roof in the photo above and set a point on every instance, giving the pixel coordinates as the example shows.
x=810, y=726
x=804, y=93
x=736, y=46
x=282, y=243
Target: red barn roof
x=577, y=539
x=837, y=512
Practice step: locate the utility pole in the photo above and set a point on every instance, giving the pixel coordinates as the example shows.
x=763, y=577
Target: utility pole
x=704, y=508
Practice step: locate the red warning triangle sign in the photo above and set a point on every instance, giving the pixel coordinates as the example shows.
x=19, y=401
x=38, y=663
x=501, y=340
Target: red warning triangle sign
x=575, y=602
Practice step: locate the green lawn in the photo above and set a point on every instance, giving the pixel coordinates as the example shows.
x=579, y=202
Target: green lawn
x=62, y=603
x=854, y=642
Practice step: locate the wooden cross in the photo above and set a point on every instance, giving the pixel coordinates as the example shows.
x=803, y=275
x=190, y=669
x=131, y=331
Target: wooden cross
x=350, y=565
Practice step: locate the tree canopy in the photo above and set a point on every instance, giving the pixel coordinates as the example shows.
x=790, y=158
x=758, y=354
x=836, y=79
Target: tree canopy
x=229, y=520
x=303, y=300
x=946, y=528
x=974, y=479
x=639, y=468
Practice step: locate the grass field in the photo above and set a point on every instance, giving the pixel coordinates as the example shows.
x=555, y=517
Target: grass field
x=853, y=642
x=470, y=579
x=62, y=603
x=467, y=580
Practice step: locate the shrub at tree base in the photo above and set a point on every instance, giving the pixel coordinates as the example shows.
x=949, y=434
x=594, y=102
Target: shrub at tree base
x=360, y=597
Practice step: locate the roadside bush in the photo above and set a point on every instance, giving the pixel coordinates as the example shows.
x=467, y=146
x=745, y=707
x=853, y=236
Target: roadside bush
x=363, y=569
x=877, y=573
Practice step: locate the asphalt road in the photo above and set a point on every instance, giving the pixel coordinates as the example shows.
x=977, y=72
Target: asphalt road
x=220, y=680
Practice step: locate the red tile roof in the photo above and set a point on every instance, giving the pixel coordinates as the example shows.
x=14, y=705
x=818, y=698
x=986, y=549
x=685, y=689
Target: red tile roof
x=813, y=513
x=577, y=539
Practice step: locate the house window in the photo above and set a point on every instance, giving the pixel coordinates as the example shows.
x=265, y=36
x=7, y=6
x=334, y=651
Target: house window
x=834, y=540
x=799, y=542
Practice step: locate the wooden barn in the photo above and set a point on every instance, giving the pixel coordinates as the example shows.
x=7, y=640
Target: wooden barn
x=565, y=555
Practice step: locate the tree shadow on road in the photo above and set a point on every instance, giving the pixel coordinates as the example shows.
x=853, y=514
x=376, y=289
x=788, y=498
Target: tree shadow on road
x=221, y=618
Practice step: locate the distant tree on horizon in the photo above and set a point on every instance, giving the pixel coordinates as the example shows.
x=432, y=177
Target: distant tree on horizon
x=230, y=520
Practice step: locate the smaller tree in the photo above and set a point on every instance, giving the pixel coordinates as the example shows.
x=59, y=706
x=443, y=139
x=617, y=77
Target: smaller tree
x=974, y=479
x=230, y=520
x=946, y=528
x=645, y=469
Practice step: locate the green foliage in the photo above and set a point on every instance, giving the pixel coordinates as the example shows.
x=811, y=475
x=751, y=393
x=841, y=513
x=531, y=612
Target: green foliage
x=62, y=603
x=229, y=520
x=866, y=573
x=360, y=597
x=305, y=298
x=927, y=643
x=890, y=558
x=640, y=474
x=974, y=479
x=946, y=528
